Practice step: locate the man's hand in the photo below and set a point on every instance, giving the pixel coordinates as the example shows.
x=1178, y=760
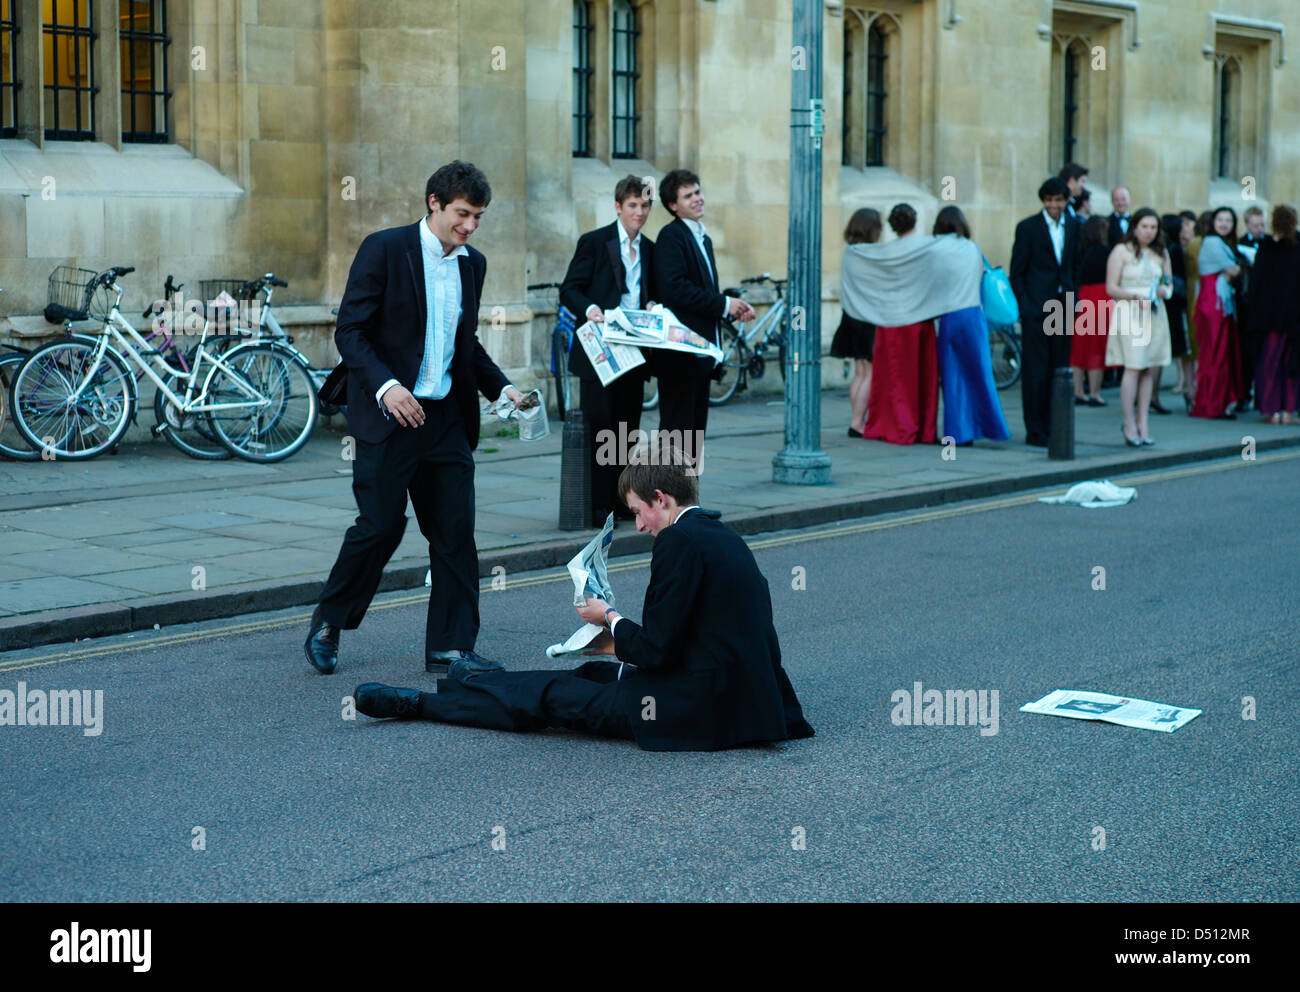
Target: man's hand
x=602, y=645
x=402, y=405
x=593, y=611
x=520, y=401
x=595, y=313
x=738, y=309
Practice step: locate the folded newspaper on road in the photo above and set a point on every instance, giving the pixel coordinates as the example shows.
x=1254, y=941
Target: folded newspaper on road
x=657, y=327
x=610, y=360
x=1140, y=713
x=589, y=571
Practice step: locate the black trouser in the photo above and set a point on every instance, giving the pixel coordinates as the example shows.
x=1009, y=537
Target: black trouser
x=684, y=407
x=1040, y=354
x=603, y=409
x=433, y=463
x=585, y=699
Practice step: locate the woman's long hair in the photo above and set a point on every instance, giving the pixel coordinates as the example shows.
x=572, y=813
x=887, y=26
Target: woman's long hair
x=1232, y=235
x=951, y=221
x=1095, y=231
x=1284, y=224
x=1131, y=239
x=864, y=227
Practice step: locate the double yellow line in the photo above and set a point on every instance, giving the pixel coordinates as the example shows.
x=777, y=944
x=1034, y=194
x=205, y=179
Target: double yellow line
x=638, y=561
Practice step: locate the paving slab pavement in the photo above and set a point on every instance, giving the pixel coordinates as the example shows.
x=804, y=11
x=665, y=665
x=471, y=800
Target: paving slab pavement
x=149, y=536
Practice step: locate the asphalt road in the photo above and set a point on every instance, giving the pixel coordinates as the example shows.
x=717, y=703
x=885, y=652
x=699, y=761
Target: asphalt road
x=222, y=726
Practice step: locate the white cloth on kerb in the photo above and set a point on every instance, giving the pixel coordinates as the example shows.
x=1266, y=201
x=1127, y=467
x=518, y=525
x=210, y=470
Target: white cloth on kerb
x=910, y=279
x=1094, y=494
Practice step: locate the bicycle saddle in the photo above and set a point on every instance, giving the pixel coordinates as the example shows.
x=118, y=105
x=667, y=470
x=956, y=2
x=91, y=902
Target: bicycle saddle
x=56, y=314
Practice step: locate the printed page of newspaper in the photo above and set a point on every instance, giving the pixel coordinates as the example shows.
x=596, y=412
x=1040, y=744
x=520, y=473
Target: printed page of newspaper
x=609, y=359
x=657, y=327
x=589, y=570
x=1140, y=713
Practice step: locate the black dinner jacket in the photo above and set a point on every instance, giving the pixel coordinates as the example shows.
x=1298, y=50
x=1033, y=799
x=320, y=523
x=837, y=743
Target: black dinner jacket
x=1115, y=233
x=1034, y=272
x=596, y=275
x=686, y=287
x=381, y=328
x=706, y=650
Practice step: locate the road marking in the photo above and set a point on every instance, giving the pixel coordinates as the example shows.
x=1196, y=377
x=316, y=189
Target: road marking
x=637, y=561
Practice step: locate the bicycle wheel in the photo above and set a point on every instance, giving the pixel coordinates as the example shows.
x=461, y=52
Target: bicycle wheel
x=43, y=409
x=188, y=432
x=275, y=429
x=12, y=444
x=1004, y=352
x=650, y=394
x=726, y=376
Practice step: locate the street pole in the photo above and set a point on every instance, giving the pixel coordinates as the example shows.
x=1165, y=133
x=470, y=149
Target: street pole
x=802, y=462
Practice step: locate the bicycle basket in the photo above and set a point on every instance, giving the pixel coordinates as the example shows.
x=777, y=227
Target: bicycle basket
x=240, y=289
x=74, y=289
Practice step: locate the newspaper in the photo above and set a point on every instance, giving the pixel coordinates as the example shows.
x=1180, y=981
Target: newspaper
x=609, y=359
x=1140, y=713
x=589, y=569
x=657, y=327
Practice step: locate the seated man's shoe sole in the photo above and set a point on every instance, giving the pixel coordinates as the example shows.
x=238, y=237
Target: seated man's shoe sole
x=374, y=699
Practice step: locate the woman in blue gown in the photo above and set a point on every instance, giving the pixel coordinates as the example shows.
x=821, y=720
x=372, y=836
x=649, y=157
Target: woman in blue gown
x=970, y=399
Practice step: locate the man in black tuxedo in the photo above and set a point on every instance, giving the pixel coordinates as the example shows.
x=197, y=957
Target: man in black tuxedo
x=1044, y=267
x=686, y=281
x=1117, y=223
x=1073, y=174
x=702, y=671
x=613, y=266
x=1248, y=339
x=412, y=366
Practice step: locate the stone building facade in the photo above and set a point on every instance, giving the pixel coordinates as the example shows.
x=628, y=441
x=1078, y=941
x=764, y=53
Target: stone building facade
x=272, y=135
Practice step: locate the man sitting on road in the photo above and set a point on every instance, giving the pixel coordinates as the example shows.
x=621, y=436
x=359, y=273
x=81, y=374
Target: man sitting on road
x=702, y=670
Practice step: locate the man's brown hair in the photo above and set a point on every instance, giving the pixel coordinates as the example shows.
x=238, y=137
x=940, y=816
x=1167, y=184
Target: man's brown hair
x=631, y=185
x=668, y=474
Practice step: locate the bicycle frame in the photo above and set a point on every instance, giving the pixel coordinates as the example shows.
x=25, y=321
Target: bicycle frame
x=114, y=328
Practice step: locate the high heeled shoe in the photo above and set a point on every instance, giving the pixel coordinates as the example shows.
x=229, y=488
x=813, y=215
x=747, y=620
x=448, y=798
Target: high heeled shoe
x=1130, y=441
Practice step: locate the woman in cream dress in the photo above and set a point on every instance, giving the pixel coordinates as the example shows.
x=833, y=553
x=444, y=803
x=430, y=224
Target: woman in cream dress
x=1138, y=280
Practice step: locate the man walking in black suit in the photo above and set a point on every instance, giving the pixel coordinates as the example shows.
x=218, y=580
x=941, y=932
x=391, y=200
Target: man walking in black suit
x=700, y=672
x=1044, y=267
x=1073, y=175
x=686, y=281
x=413, y=365
x=613, y=266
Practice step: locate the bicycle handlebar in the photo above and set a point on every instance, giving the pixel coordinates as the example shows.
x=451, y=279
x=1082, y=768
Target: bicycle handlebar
x=765, y=277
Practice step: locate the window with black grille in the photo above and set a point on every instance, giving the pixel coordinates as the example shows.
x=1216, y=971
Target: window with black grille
x=142, y=36
x=1070, y=111
x=582, y=73
x=625, y=75
x=67, y=33
x=876, y=95
x=8, y=70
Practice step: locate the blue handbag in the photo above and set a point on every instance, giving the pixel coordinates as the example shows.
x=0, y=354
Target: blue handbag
x=997, y=298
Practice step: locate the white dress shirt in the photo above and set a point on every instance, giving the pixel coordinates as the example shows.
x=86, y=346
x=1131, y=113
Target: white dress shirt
x=697, y=229
x=631, y=299
x=1056, y=230
x=442, y=296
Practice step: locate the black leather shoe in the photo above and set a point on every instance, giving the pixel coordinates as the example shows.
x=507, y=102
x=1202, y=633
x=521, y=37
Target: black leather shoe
x=440, y=662
x=1158, y=407
x=378, y=700
x=322, y=645
x=469, y=665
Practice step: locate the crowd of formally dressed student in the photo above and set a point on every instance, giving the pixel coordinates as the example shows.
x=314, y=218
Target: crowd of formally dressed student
x=1126, y=294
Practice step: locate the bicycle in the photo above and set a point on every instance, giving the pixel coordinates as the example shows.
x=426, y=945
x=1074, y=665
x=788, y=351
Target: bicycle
x=744, y=346
x=73, y=399
x=1004, y=352
x=268, y=328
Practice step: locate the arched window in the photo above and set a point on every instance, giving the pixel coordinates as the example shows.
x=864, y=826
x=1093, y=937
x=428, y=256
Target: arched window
x=1225, y=158
x=877, y=94
x=1070, y=108
x=582, y=73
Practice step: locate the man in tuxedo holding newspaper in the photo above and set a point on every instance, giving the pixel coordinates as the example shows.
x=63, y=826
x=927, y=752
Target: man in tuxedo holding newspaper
x=613, y=266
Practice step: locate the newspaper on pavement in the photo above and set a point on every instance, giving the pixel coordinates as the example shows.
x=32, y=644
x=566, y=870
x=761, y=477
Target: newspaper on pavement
x=589, y=569
x=1140, y=713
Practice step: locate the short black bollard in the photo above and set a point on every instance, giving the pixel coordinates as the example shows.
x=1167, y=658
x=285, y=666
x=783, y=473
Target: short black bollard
x=575, y=474
x=1060, y=444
